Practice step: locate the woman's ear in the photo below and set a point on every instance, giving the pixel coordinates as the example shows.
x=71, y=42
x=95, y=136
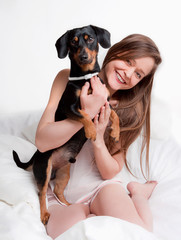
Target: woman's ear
x=103, y=36
x=62, y=45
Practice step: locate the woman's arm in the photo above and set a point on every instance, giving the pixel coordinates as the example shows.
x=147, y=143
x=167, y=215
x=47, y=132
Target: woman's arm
x=108, y=165
x=51, y=134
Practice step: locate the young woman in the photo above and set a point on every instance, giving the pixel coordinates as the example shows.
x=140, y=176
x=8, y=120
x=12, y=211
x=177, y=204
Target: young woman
x=94, y=186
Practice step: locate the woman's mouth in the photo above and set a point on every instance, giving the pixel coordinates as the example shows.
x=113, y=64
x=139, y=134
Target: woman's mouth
x=120, y=79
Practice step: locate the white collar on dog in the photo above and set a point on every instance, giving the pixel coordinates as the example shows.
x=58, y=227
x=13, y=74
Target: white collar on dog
x=87, y=76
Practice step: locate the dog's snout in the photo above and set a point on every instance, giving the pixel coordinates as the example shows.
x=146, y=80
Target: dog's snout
x=84, y=57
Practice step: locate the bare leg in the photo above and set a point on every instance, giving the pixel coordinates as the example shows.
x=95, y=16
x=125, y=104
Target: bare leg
x=63, y=217
x=112, y=200
x=140, y=193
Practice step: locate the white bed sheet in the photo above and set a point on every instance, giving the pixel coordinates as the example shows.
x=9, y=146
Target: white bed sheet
x=19, y=205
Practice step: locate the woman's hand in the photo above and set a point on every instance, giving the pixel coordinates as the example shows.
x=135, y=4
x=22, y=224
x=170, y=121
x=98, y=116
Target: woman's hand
x=107, y=164
x=101, y=121
x=91, y=103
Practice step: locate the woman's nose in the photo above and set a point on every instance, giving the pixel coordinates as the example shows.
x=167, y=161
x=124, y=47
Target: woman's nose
x=129, y=72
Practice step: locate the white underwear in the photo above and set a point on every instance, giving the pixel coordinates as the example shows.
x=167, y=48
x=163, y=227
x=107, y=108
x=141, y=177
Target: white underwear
x=89, y=198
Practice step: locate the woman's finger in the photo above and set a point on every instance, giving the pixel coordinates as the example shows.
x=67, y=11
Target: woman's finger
x=102, y=115
x=85, y=88
x=107, y=110
x=97, y=85
x=96, y=119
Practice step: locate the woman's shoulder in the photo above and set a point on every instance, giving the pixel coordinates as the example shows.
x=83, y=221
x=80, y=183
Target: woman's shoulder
x=59, y=86
x=62, y=76
x=64, y=72
x=61, y=80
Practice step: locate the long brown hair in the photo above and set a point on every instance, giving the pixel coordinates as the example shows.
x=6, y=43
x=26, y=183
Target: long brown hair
x=133, y=106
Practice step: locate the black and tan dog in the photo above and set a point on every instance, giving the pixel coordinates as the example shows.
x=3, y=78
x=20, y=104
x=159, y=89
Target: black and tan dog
x=82, y=46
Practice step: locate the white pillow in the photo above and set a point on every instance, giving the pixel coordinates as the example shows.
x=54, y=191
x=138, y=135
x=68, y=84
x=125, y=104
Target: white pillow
x=16, y=184
x=160, y=119
x=29, y=132
x=17, y=124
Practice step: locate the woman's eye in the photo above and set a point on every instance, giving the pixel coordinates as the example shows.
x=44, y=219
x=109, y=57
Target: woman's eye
x=138, y=75
x=128, y=62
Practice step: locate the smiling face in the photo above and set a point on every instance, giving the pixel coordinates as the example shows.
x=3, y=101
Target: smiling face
x=122, y=75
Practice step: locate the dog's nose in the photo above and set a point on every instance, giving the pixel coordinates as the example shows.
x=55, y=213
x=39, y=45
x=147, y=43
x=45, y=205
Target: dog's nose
x=84, y=57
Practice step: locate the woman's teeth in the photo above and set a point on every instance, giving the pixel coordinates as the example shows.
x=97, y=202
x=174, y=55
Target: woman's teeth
x=120, y=79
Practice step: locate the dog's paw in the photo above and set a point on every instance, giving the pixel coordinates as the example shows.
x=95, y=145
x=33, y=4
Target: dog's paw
x=90, y=133
x=115, y=134
x=91, y=136
x=44, y=217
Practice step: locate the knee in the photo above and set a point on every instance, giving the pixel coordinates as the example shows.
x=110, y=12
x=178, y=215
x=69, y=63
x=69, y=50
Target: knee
x=108, y=196
x=79, y=211
x=52, y=228
x=63, y=218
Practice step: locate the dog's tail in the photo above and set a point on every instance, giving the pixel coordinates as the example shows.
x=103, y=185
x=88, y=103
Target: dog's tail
x=21, y=164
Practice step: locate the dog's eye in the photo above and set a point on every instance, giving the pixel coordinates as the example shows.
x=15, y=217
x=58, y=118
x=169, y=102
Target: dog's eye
x=74, y=41
x=90, y=40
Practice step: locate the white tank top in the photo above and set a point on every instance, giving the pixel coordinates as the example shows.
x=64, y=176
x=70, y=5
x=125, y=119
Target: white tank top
x=85, y=178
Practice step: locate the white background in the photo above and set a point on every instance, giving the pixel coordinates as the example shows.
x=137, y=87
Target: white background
x=30, y=28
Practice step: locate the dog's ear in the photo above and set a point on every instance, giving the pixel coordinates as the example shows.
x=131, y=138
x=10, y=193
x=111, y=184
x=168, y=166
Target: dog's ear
x=62, y=45
x=103, y=36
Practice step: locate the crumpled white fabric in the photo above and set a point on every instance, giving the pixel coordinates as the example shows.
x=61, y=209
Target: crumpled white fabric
x=106, y=228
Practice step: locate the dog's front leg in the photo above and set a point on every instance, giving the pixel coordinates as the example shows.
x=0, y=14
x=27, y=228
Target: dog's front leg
x=115, y=128
x=89, y=127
